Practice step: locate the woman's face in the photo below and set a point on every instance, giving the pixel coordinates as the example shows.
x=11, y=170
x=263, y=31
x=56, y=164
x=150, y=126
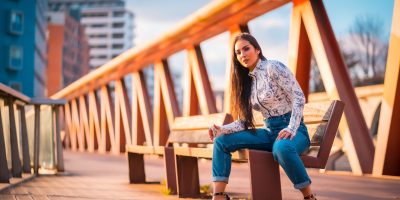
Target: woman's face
x=246, y=54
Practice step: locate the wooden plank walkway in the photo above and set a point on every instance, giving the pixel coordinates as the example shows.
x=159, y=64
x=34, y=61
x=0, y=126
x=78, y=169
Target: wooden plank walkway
x=99, y=176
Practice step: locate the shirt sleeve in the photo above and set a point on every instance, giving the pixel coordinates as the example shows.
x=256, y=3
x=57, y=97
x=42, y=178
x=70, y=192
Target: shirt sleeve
x=233, y=127
x=285, y=79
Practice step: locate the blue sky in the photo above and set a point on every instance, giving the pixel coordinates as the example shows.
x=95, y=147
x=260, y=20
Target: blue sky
x=155, y=17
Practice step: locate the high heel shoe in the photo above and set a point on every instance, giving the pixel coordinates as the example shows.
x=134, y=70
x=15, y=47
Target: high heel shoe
x=310, y=197
x=222, y=194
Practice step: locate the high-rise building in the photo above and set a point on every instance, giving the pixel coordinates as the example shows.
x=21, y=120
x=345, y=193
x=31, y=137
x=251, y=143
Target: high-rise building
x=23, y=59
x=68, y=57
x=108, y=26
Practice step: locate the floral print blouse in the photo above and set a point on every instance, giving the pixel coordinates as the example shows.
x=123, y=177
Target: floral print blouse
x=274, y=92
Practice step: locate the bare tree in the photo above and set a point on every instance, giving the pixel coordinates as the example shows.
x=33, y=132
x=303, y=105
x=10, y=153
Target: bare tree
x=316, y=84
x=367, y=33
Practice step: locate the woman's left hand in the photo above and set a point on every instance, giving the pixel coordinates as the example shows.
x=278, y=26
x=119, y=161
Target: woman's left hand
x=284, y=134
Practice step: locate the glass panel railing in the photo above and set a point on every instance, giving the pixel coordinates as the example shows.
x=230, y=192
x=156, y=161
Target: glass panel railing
x=30, y=126
x=46, y=151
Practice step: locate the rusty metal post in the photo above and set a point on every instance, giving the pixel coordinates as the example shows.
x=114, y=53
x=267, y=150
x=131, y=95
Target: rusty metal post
x=169, y=163
x=187, y=175
x=59, y=151
x=36, y=145
x=264, y=169
x=26, y=162
x=4, y=173
x=15, y=159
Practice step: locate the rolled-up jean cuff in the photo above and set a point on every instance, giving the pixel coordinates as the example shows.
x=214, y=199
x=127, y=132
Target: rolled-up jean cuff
x=220, y=179
x=302, y=185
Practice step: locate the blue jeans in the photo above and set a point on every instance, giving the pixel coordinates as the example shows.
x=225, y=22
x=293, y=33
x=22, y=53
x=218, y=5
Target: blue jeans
x=285, y=151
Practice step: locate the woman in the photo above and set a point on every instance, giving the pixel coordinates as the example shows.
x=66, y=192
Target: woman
x=269, y=87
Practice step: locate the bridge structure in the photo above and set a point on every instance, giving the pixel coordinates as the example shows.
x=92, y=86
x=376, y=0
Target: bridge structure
x=101, y=114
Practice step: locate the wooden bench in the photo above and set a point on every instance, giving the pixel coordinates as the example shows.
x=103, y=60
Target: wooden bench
x=321, y=119
x=194, y=126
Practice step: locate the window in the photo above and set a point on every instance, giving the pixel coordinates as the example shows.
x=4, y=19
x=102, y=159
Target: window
x=98, y=25
x=118, y=35
x=98, y=36
x=15, y=58
x=15, y=85
x=16, y=22
x=118, y=25
x=100, y=46
x=94, y=14
x=118, y=14
x=117, y=46
x=98, y=57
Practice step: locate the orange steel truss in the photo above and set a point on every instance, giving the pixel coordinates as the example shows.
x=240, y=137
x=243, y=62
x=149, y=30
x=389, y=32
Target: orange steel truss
x=100, y=117
x=387, y=158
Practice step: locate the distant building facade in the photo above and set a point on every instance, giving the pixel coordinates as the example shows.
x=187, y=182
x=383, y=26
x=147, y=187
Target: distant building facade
x=23, y=51
x=108, y=26
x=68, y=57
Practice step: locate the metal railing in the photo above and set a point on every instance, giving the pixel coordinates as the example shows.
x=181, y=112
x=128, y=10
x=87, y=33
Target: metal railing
x=104, y=115
x=29, y=135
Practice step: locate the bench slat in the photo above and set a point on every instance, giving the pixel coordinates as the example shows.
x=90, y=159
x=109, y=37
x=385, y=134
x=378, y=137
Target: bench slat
x=145, y=149
x=316, y=133
x=317, y=111
x=199, y=122
x=313, y=113
x=207, y=153
x=189, y=136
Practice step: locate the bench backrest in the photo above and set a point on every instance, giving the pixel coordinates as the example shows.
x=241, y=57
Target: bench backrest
x=322, y=120
x=194, y=129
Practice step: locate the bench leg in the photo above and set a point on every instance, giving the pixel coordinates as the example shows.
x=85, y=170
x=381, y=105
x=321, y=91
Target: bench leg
x=136, y=168
x=187, y=172
x=169, y=162
x=264, y=176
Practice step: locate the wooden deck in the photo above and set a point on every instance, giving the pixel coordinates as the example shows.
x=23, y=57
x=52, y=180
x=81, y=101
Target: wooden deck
x=97, y=176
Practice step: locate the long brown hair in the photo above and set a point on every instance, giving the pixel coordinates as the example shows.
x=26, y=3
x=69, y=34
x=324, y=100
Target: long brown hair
x=241, y=83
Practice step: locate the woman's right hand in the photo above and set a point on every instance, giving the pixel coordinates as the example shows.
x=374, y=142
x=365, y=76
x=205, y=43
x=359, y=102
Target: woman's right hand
x=213, y=132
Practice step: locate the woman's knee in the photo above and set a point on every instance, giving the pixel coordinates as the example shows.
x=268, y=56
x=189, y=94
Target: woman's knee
x=282, y=148
x=220, y=142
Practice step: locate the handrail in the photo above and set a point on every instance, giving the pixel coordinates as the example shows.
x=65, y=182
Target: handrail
x=7, y=91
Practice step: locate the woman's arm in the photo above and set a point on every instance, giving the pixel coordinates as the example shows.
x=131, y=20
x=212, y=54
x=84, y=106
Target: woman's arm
x=228, y=128
x=288, y=82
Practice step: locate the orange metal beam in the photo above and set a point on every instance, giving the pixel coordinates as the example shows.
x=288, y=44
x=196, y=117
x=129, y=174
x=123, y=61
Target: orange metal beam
x=107, y=120
x=94, y=121
x=165, y=104
x=190, y=97
x=122, y=115
x=299, y=51
x=336, y=79
x=84, y=123
x=69, y=132
x=141, y=111
x=202, y=83
x=77, y=124
x=387, y=158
